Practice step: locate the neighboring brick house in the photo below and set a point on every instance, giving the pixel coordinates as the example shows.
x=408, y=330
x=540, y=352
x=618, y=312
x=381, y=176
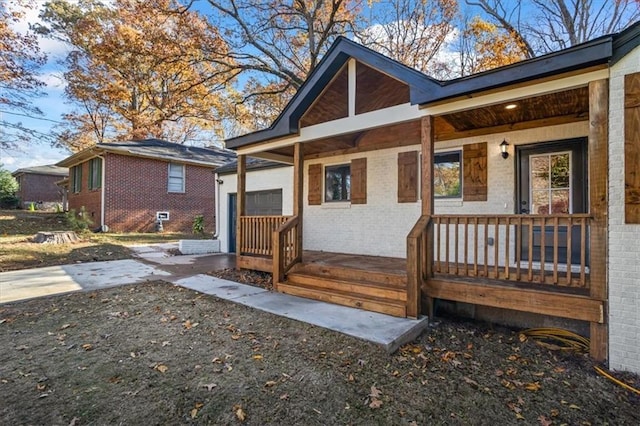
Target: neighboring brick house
x=38, y=185
x=126, y=186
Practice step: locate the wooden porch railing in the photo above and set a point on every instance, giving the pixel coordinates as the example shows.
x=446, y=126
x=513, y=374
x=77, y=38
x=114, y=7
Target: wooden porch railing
x=257, y=234
x=419, y=263
x=491, y=246
x=286, y=248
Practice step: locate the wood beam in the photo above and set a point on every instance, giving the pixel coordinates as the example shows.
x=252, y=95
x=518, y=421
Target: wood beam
x=540, y=302
x=240, y=205
x=427, y=139
x=543, y=122
x=298, y=189
x=599, y=202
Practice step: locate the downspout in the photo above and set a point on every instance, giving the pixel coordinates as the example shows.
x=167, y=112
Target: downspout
x=217, y=206
x=102, y=194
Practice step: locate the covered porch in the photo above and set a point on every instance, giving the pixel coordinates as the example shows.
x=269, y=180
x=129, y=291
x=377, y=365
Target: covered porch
x=481, y=249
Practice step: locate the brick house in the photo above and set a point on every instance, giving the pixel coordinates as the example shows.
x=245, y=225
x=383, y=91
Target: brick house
x=38, y=185
x=127, y=186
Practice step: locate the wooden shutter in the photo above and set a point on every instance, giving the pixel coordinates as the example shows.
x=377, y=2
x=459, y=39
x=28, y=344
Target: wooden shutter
x=632, y=148
x=359, y=181
x=315, y=184
x=408, y=177
x=474, y=183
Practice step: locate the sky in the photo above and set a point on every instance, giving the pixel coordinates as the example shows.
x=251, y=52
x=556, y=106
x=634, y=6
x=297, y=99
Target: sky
x=52, y=105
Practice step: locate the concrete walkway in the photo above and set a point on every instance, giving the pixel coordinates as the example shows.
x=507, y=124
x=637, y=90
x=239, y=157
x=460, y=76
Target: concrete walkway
x=155, y=263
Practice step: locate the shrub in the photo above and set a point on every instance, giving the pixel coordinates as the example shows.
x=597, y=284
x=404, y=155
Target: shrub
x=79, y=221
x=198, y=224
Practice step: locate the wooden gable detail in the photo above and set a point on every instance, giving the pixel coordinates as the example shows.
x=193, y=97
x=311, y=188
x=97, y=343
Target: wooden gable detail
x=375, y=90
x=632, y=148
x=408, y=177
x=332, y=104
x=359, y=181
x=474, y=182
x=315, y=185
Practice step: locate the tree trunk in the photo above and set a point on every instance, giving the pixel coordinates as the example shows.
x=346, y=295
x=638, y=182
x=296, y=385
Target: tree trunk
x=57, y=237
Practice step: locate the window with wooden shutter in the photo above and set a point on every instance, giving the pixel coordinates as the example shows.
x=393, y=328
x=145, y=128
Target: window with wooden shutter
x=315, y=185
x=632, y=148
x=359, y=181
x=408, y=177
x=474, y=171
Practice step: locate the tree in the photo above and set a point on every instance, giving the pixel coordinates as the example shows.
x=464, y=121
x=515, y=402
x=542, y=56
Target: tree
x=275, y=45
x=543, y=26
x=19, y=63
x=8, y=188
x=137, y=70
x=411, y=31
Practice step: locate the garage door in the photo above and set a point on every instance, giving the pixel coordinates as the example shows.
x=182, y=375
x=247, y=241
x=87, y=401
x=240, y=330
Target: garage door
x=257, y=203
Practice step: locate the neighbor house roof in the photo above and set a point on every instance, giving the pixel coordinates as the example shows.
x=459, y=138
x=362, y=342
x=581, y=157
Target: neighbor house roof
x=49, y=169
x=425, y=90
x=252, y=164
x=156, y=149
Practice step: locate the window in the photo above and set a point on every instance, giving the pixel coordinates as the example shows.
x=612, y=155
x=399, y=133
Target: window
x=550, y=183
x=447, y=176
x=76, y=179
x=337, y=183
x=176, y=178
x=95, y=173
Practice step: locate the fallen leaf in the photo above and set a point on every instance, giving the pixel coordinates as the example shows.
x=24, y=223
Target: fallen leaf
x=375, y=403
x=522, y=337
x=317, y=411
x=471, y=382
x=535, y=386
x=554, y=412
x=41, y=386
x=161, y=368
x=270, y=383
x=544, y=421
x=64, y=326
x=74, y=421
x=194, y=413
x=210, y=386
x=87, y=347
x=351, y=378
x=375, y=392
x=284, y=396
x=574, y=407
x=257, y=357
x=239, y=412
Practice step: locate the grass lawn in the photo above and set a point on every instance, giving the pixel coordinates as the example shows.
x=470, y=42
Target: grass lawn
x=17, y=227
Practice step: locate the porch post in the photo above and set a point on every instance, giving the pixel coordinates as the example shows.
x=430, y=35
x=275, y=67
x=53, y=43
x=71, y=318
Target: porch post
x=240, y=205
x=598, y=196
x=298, y=201
x=427, y=141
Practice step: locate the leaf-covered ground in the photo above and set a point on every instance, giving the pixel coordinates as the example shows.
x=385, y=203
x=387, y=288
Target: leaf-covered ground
x=160, y=354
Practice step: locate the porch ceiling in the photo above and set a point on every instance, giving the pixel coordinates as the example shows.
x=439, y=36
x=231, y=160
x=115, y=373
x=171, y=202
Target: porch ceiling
x=545, y=110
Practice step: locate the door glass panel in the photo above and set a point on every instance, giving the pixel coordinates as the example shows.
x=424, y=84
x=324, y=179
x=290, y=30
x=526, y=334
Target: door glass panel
x=560, y=201
x=550, y=183
x=560, y=171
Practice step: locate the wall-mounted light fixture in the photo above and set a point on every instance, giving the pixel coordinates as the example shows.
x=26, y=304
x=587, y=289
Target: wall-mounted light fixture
x=504, y=148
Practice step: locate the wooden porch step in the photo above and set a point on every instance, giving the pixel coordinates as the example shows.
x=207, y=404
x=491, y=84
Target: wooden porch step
x=335, y=272
x=357, y=287
x=346, y=298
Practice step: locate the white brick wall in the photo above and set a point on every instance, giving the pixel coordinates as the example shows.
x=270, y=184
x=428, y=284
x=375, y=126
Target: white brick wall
x=380, y=227
x=624, y=246
x=257, y=180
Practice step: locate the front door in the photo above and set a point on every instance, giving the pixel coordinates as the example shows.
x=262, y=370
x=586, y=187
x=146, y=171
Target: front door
x=552, y=179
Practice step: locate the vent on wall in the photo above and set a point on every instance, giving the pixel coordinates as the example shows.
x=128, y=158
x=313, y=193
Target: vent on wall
x=162, y=215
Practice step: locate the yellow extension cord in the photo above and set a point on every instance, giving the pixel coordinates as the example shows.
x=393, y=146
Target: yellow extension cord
x=570, y=341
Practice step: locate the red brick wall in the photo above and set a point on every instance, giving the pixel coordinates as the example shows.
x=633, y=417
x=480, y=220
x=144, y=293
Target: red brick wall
x=136, y=188
x=90, y=199
x=38, y=187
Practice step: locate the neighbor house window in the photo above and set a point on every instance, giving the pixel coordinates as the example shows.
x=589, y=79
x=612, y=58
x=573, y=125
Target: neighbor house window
x=176, y=177
x=337, y=183
x=76, y=179
x=447, y=174
x=95, y=173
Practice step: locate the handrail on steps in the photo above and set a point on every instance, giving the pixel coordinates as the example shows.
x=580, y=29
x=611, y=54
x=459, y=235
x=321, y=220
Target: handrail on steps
x=419, y=263
x=286, y=248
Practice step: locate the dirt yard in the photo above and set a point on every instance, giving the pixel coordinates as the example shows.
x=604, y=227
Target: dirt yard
x=159, y=354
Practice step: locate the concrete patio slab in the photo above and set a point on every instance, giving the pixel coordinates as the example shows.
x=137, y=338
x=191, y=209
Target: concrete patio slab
x=384, y=330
